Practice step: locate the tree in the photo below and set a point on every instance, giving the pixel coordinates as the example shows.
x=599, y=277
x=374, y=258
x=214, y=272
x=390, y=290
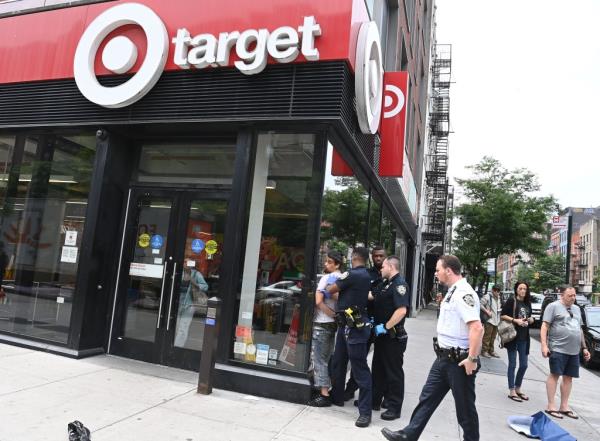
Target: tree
x=596, y=280
x=501, y=216
x=344, y=213
x=547, y=272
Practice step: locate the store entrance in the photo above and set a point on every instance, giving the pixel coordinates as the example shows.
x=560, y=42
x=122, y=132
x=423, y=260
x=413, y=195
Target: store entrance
x=169, y=267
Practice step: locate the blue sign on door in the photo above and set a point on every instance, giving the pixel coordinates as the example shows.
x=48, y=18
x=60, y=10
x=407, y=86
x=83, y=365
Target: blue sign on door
x=197, y=246
x=156, y=242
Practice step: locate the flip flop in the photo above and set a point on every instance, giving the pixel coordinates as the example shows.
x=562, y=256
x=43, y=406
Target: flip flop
x=523, y=396
x=569, y=413
x=517, y=399
x=554, y=413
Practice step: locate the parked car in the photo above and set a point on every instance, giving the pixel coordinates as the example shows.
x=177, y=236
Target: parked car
x=536, y=308
x=274, y=305
x=591, y=332
x=582, y=300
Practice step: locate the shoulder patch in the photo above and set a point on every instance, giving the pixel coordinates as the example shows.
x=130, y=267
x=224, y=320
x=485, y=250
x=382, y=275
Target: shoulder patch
x=344, y=275
x=469, y=300
x=401, y=289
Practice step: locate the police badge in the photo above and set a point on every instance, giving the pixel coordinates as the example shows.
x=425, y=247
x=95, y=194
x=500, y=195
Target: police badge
x=469, y=300
x=401, y=289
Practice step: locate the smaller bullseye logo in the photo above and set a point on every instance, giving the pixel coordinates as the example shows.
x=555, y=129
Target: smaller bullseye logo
x=120, y=54
x=393, y=101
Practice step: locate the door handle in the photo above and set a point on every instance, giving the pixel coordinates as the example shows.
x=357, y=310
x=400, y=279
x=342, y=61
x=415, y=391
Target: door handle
x=160, y=302
x=171, y=295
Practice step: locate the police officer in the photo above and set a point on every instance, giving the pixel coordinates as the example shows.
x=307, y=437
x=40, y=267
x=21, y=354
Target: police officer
x=352, y=290
x=378, y=255
x=457, y=349
x=391, y=306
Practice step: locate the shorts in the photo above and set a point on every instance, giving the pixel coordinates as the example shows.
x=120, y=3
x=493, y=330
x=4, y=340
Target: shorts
x=564, y=364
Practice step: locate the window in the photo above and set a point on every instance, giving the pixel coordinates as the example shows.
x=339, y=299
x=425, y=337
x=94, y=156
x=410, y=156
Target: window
x=275, y=308
x=188, y=163
x=45, y=182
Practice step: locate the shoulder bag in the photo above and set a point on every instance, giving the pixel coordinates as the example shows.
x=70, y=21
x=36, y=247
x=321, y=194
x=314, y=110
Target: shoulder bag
x=507, y=330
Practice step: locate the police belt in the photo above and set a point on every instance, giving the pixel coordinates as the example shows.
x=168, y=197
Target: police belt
x=453, y=354
x=352, y=317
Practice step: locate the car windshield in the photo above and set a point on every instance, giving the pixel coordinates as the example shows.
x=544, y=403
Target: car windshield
x=593, y=318
x=536, y=298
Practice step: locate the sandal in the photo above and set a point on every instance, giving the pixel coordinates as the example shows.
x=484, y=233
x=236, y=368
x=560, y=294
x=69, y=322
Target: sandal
x=523, y=396
x=554, y=413
x=569, y=413
x=516, y=398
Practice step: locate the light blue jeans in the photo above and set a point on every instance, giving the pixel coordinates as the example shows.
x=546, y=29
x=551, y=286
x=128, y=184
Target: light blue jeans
x=323, y=341
x=520, y=348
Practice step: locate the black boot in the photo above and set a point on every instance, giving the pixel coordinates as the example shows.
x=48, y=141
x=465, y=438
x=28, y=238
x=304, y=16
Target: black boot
x=398, y=435
x=363, y=421
x=390, y=415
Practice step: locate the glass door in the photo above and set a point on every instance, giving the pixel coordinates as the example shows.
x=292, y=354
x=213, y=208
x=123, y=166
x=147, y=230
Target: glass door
x=146, y=267
x=170, y=267
x=200, y=245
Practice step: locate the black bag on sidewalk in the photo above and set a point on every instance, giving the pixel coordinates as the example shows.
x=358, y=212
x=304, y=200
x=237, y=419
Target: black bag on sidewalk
x=78, y=432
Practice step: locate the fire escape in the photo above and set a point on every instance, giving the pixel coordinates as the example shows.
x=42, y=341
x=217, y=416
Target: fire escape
x=435, y=225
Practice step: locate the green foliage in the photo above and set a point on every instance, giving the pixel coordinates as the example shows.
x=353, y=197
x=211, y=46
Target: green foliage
x=551, y=271
x=596, y=280
x=501, y=215
x=344, y=215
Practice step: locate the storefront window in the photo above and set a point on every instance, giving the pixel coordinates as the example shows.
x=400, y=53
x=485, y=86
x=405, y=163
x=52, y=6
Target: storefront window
x=275, y=305
x=45, y=185
x=188, y=163
x=344, y=212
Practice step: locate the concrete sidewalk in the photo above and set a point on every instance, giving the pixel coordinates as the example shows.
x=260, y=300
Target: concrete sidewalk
x=123, y=400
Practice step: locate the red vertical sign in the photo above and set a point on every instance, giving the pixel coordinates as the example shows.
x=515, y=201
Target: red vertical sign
x=339, y=167
x=393, y=124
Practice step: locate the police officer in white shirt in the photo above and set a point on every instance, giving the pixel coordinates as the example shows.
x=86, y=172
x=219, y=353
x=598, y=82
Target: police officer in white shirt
x=457, y=349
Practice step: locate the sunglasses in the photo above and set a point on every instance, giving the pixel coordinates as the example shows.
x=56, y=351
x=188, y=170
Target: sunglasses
x=570, y=312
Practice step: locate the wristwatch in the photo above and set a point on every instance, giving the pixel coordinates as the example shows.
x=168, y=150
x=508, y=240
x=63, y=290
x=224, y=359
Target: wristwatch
x=473, y=359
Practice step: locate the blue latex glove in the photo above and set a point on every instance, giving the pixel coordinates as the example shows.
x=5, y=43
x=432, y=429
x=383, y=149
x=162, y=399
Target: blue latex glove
x=380, y=329
x=326, y=293
x=331, y=279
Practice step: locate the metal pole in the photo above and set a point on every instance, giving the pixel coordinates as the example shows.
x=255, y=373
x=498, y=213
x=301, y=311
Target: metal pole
x=209, y=346
x=568, y=263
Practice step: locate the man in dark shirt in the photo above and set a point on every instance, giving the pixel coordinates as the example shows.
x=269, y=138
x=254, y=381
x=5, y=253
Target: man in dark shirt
x=352, y=291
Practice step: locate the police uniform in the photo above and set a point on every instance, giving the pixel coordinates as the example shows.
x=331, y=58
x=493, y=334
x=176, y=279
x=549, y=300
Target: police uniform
x=351, y=343
x=376, y=285
x=388, y=358
x=460, y=306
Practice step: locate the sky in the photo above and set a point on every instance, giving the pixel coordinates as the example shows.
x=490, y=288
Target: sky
x=526, y=90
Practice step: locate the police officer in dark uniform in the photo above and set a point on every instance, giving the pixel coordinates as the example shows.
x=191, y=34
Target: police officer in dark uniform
x=391, y=307
x=378, y=255
x=352, y=290
x=457, y=347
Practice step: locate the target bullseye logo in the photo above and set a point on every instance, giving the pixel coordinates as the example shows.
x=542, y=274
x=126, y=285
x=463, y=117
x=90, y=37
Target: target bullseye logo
x=392, y=94
x=368, y=84
x=120, y=54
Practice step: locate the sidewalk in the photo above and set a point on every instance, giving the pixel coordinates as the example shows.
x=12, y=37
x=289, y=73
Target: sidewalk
x=120, y=400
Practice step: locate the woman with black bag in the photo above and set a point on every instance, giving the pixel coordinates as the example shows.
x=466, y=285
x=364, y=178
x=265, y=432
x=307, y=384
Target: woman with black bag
x=517, y=311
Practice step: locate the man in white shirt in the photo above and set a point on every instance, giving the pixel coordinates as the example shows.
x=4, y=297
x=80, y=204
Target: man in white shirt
x=457, y=348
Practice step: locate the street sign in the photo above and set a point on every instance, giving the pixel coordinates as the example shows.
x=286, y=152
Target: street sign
x=491, y=266
x=560, y=222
